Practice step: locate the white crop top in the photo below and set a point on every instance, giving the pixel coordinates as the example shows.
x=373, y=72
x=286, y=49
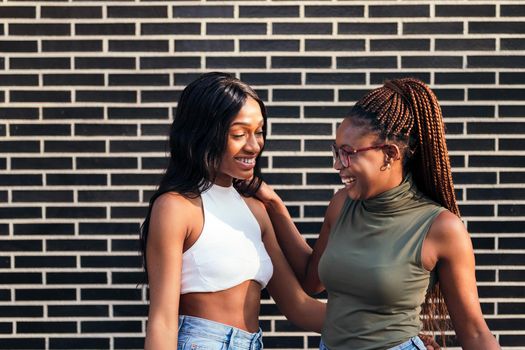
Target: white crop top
x=229, y=249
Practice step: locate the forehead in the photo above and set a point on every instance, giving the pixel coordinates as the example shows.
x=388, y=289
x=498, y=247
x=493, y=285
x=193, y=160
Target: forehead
x=353, y=136
x=249, y=114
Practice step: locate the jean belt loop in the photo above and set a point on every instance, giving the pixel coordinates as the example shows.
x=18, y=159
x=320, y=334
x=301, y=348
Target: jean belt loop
x=231, y=337
x=181, y=321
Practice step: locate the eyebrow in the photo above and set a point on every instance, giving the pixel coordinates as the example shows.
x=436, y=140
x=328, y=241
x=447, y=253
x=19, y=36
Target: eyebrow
x=246, y=124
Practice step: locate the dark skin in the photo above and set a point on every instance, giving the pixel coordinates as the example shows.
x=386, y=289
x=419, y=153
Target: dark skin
x=175, y=225
x=447, y=244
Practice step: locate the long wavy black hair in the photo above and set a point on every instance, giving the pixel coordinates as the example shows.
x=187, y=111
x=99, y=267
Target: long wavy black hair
x=198, y=138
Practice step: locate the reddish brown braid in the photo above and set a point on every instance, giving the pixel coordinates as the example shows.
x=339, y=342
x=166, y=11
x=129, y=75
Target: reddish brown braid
x=405, y=109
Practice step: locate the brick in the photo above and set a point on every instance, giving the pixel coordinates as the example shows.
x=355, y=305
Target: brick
x=23, y=343
x=283, y=341
x=465, y=10
x=127, y=277
x=511, y=78
x=496, y=94
x=111, y=326
x=301, y=129
x=77, y=179
x=138, y=146
x=104, y=28
x=301, y=62
x=137, y=11
x=474, y=178
x=76, y=310
x=169, y=62
x=334, y=45
x=235, y=62
x=451, y=111
x=135, y=179
x=320, y=179
x=108, y=196
x=203, y=45
x=46, y=327
x=449, y=94
x=40, y=29
x=471, y=144
x=19, y=146
x=39, y=63
x=44, y=229
x=269, y=45
x=130, y=310
x=18, y=12
x=302, y=28
x=334, y=11
x=76, y=212
x=236, y=28
x=35, y=196
x=268, y=11
x=65, y=245
x=496, y=27
x=21, y=311
x=73, y=79
x=105, y=228
x=159, y=96
x=338, y=112
x=79, y=342
x=512, y=44
x=351, y=94
x=130, y=212
x=20, y=212
x=431, y=62
x=138, y=45
x=511, y=111
x=170, y=28
x=465, y=78
x=71, y=12
x=73, y=113
x=129, y=342
x=303, y=95
x=139, y=79
x=45, y=261
x=39, y=129
x=139, y=113
x=110, y=294
x=367, y=28
x=18, y=80
x=41, y=163
x=497, y=161
x=433, y=28
x=399, y=45
x=125, y=245
x=399, y=11
x=34, y=294
x=104, y=62
x=379, y=78
x=495, y=128
x=106, y=163
x=302, y=162
x=40, y=96
x=496, y=61
x=202, y=11
x=74, y=146
x=335, y=78
x=283, y=111
x=106, y=96
x=465, y=44
x=367, y=62
x=510, y=243
x=512, y=10
x=511, y=144
x=271, y=78
x=495, y=194
x=18, y=46
x=511, y=210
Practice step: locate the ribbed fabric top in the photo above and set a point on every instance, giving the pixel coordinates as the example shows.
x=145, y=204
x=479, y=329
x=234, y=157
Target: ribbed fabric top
x=229, y=249
x=372, y=269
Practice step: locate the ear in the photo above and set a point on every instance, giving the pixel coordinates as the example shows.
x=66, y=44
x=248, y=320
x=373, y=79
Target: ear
x=392, y=151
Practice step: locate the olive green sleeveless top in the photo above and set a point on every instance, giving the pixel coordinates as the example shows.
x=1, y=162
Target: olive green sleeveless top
x=372, y=269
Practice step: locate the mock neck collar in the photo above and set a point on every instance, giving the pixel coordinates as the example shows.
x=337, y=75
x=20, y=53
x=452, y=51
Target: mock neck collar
x=394, y=199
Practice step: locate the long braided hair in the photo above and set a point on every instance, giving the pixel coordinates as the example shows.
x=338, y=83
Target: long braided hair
x=406, y=112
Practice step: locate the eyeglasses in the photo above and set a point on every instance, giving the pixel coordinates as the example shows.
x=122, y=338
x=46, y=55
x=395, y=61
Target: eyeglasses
x=346, y=154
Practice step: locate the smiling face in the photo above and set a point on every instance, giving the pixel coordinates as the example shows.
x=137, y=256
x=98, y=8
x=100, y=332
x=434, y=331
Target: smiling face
x=366, y=175
x=245, y=142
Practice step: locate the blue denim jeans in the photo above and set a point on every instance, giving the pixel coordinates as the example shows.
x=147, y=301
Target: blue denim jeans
x=200, y=334
x=414, y=343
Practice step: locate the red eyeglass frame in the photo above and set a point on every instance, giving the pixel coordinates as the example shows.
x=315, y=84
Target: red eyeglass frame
x=344, y=155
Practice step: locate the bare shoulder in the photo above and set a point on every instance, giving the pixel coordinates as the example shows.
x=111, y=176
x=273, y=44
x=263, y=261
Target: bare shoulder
x=174, y=213
x=257, y=208
x=335, y=206
x=449, y=234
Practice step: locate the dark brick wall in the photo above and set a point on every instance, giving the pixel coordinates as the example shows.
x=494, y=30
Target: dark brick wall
x=87, y=90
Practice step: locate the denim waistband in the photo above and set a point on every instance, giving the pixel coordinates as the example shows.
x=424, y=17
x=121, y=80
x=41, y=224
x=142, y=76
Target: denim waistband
x=412, y=343
x=221, y=332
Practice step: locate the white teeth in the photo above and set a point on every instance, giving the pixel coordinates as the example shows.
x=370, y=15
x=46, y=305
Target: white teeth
x=347, y=180
x=247, y=160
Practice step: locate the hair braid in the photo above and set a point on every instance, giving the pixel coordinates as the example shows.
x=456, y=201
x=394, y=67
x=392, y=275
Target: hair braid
x=407, y=111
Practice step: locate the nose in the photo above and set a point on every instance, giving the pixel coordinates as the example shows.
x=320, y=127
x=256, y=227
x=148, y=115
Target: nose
x=337, y=164
x=253, y=144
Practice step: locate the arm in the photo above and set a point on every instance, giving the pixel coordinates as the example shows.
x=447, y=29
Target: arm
x=303, y=260
x=456, y=270
x=167, y=233
x=301, y=309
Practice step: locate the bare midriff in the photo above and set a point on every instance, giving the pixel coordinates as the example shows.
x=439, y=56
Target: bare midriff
x=237, y=306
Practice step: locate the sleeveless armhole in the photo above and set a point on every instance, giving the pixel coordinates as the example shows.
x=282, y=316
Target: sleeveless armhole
x=341, y=215
x=191, y=247
x=419, y=251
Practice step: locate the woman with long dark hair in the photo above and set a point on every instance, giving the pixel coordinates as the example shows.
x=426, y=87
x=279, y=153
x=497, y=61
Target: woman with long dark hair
x=208, y=247
x=392, y=249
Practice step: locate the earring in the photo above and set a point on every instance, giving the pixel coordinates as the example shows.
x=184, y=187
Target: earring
x=387, y=164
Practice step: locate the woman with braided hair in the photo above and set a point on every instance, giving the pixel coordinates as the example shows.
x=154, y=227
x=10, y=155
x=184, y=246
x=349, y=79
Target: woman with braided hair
x=392, y=248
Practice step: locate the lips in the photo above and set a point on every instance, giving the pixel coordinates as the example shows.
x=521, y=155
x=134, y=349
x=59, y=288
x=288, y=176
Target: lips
x=347, y=180
x=246, y=162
